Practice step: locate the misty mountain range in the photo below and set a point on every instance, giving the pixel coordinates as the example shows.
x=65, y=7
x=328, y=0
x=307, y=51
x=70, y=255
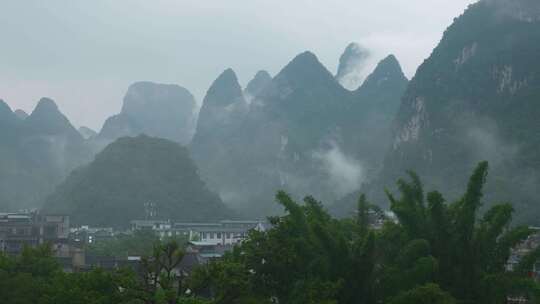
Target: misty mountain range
x=244, y=147
x=37, y=151
x=300, y=133
x=308, y=131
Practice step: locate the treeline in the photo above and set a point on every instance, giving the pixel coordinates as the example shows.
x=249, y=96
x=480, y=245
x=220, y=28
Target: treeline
x=139, y=243
x=436, y=252
x=35, y=277
x=433, y=252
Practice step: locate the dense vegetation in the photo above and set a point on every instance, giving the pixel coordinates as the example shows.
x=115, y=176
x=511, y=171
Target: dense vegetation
x=139, y=243
x=129, y=173
x=435, y=252
x=35, y=277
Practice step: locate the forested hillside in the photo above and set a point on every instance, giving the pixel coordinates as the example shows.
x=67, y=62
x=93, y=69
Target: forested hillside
x=113, y=189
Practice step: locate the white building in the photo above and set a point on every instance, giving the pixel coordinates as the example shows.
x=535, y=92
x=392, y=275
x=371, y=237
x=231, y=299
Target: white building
x=226, y=232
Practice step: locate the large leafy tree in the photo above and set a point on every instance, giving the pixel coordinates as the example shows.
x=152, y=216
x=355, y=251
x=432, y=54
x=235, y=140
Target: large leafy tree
x=468, y=250
x=425, y=294
x=308, y=257
x=159, y=280
x=36, y=277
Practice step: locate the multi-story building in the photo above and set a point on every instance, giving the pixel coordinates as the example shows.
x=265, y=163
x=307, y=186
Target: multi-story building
x=225, y=232
x=207, y=251
x=222, y=233
x=86, y=235
x=31, y=229
x=190, y=231
x=150, y=225
x=524, y=248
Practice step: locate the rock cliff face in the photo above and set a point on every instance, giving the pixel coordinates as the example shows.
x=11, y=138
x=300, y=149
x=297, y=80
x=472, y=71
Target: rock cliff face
x=224, y=107
x=368, y=120
x=215, y=143
x=166, y=111
x=476, y=98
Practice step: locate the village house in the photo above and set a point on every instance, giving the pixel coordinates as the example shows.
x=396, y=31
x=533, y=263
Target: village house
x=532, y=242
x=33, y=228
x=86, y=235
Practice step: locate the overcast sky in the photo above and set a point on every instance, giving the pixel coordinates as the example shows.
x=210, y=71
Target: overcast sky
x=84, y=53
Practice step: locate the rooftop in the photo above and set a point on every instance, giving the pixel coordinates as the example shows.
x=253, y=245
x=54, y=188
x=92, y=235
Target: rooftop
x=203, y=244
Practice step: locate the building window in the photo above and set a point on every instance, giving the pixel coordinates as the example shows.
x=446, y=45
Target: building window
x=21, y=231
x=219, y=235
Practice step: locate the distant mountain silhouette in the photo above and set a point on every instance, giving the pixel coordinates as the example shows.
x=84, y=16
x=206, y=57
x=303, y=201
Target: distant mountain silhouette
x=37, y=152
x=161, y=110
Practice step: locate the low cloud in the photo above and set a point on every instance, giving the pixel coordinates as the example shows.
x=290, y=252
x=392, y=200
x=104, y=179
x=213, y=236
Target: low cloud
x=345, y=174
x=488, y=144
